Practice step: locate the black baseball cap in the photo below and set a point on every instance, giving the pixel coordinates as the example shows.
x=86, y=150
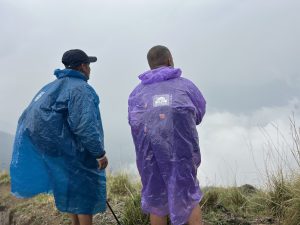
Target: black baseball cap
x=76, y=57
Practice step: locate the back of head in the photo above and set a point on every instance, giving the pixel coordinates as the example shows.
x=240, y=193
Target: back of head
x=75, y=57
x=159, y=56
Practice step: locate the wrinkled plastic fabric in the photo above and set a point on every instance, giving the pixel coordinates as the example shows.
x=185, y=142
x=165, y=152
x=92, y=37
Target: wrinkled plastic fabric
x=163, y=113
x=58, y=138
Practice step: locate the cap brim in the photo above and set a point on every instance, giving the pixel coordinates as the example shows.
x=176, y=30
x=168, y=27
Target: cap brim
x=92, y=59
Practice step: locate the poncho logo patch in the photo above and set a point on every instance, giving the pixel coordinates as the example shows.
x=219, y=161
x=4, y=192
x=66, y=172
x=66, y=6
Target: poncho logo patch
x=39, y=96
x=162, y=100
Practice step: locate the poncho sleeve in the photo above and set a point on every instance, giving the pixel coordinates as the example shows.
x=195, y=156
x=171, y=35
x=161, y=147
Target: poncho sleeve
x=198, y=101
x=131, y=102
x=85, y=120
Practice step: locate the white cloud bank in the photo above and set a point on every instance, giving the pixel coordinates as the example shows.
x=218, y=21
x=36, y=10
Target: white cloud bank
x=236, y=148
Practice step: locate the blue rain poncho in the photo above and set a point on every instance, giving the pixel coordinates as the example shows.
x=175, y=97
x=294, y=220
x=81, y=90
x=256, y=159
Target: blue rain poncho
x=58, y=139
x=164, y=110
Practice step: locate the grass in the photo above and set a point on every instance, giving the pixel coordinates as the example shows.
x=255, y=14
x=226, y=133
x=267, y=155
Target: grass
x=243, y=205
x=121, y=188
x=284, y=181
x=119, y=185
x=132, y=211
x=278, y=203
x=4, y=178
x=233, y=205
x=292, y=205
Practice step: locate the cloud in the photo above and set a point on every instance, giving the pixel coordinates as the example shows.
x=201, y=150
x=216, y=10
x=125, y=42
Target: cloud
x=241, y=52
x=235, y=147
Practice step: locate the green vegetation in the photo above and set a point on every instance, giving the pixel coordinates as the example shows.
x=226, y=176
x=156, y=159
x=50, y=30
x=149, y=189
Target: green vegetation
x=132, y=213
x=119, y=185
x=4, y=178
x=277, y=203
x=221, y=206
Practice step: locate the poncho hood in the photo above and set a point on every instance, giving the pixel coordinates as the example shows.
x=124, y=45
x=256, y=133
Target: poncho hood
x=159, y=74
x=69, y=73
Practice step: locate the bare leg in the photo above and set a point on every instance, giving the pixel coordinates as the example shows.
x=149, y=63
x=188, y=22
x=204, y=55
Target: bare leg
x=74, y=219
x=196, y=216
x=85, y=219
x=158, y=220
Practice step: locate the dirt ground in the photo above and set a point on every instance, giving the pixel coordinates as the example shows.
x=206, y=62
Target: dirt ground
x=40, y=211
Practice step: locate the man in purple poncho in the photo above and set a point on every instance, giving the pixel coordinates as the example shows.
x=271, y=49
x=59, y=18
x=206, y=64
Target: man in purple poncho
x=164, y=110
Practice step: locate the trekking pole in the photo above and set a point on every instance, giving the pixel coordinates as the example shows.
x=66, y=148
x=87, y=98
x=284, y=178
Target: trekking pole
x=113, y=213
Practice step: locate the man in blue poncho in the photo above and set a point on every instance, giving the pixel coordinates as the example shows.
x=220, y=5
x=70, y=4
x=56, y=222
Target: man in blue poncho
x=59, y=145
x=164, y=110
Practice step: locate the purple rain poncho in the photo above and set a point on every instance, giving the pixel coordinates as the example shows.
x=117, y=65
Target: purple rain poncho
x=163, y=113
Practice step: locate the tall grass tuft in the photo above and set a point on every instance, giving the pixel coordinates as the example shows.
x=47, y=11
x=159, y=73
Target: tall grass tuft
x=236, y=199
x=292, y=214
x=284, y=181
x=119, y=185
x=4, y=178
x=210, y=199
x=279, y=194
x=132, y=210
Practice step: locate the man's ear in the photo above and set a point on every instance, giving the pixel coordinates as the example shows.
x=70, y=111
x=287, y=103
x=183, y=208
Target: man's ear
x=80, y=68
x=170, y=62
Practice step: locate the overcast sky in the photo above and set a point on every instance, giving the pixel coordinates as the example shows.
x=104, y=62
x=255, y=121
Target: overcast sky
x=243, y=55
